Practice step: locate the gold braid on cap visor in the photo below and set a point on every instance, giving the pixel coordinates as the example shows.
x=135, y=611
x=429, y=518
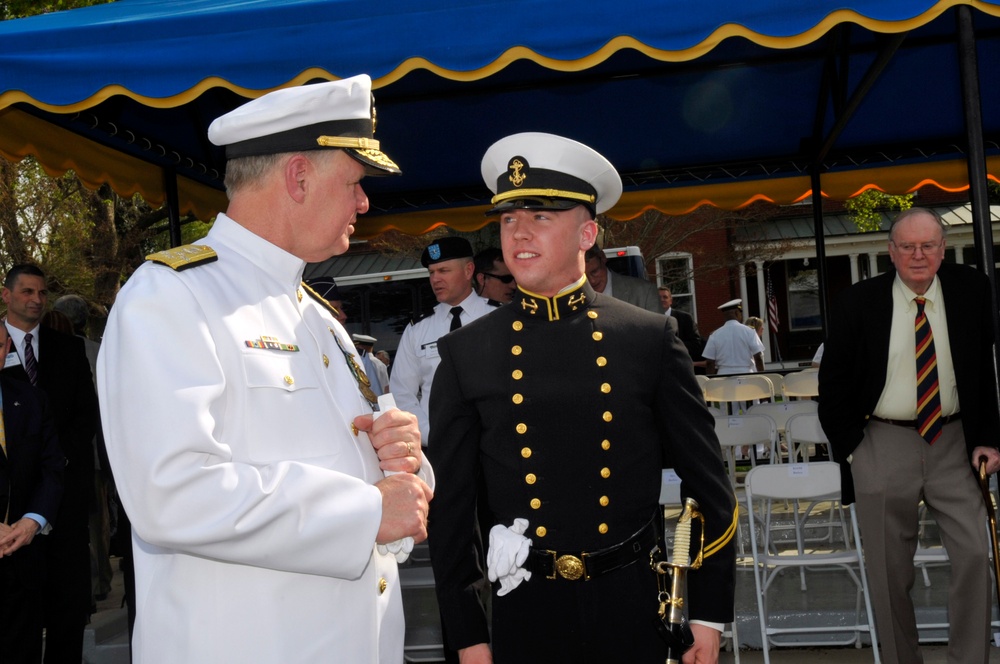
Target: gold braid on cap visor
x=348, y=142
x=543, y=193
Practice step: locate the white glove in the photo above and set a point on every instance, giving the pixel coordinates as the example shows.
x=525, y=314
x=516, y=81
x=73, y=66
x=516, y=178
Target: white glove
x=508, y=551
x=400, y=548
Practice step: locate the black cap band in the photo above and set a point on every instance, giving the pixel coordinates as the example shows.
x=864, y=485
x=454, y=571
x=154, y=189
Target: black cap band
x=300, y=139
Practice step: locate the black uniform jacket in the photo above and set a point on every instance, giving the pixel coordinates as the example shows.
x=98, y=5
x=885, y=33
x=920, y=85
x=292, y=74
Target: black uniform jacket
x=64, y=376
x=687, y=330
x=568, y=408
x=856, y=354
x=31, y=471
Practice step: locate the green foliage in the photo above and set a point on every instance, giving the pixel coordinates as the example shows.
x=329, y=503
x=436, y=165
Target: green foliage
x=993, y=192
x=45, y=220
x=866, y=208
x=22, y=8
x=158, y=238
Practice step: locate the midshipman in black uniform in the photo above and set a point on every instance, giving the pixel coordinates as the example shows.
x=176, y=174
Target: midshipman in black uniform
x=567, y=404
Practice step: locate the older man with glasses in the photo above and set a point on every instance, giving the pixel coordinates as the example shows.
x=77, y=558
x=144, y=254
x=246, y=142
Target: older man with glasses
x=908, y=400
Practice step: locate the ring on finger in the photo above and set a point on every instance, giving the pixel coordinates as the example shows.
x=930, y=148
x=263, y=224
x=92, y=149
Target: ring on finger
x=409, y=449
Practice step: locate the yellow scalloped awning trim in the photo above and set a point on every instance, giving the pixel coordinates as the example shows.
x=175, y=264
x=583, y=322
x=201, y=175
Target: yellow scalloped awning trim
x=949, y=175
x=10, y=97
x=59, y=150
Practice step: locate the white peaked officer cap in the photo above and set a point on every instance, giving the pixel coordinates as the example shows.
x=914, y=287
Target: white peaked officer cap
x=732, y=304
x=536, y=171
x=364, y=339
x=336, y=114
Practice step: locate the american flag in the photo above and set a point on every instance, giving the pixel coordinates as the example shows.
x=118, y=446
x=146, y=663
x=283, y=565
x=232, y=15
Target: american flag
x=772, y=307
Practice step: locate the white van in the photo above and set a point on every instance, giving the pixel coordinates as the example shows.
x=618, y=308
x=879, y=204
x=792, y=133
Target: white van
x=626, y=260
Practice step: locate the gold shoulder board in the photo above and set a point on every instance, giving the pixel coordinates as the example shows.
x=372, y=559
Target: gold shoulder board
x=183, y=257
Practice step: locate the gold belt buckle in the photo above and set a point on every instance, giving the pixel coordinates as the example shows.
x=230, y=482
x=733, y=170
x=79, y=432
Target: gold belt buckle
x=568, y=567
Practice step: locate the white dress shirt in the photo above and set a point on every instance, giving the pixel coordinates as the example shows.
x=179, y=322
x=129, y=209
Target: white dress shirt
x=732, y=348
x=417, y=357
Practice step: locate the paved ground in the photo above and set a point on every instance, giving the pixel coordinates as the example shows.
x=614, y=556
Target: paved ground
x=106, y=641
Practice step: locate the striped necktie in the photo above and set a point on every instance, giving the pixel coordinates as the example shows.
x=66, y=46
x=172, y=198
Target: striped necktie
x=30, y=364
x=928, y=389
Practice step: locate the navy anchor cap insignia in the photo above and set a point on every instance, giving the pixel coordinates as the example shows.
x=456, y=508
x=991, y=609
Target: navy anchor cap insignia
x=518, y=167
x=434, y=251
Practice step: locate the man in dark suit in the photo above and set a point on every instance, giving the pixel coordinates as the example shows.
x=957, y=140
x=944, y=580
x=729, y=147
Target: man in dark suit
x=687, y=329
x=576, y=402
x=31, y=468
x=57, y=363
x=924, y=327
x=635, y=291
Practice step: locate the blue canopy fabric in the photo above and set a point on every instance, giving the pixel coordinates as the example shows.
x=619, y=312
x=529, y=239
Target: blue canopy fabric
x=721, y=101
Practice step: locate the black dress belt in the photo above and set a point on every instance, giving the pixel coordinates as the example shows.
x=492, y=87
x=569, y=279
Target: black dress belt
x=912, y=424
x=587, y=565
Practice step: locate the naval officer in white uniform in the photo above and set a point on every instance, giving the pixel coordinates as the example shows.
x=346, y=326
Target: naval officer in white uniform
x=239, y=423
x=734, y=348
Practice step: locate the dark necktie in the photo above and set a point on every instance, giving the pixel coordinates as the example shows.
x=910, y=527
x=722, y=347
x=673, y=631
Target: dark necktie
x=30, y=364
x=456, y=320
x=928, y=389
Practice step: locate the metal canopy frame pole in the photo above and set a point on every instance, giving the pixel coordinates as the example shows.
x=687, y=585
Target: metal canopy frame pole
x=834, y=86
x=817, y=207
x=173, y=205
x=969, y=69
x=982, y=228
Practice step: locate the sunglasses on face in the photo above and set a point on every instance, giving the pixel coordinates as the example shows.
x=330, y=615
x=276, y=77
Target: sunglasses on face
x=502, y=278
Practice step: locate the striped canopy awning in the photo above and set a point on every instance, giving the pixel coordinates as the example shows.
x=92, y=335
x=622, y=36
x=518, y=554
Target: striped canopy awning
x=720, y=102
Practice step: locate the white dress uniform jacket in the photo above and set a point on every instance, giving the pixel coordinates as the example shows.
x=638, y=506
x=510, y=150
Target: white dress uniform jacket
x=253, y=512
x=417, y=357
x=732, y=347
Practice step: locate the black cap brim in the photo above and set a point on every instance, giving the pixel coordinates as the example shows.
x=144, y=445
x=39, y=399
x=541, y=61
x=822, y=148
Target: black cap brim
x=536, y=203
x=375, y=162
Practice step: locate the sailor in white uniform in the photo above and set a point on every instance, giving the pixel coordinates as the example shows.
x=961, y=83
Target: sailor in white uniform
x=734, y=348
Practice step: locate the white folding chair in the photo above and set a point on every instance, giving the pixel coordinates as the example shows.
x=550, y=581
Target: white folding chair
x=777, y=380
x=802, y=431
x=780, y=412
x=735, y=391
x=672, y=504
x=738, y=431
x=735, y=432
x=930, y=553
x=801, y=384
x=773, y=484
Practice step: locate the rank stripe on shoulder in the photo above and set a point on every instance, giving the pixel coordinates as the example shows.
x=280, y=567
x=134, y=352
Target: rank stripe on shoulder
x=185, y=256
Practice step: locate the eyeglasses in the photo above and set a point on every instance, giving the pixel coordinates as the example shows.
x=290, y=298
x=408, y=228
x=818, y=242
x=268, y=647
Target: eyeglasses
x=502, y=278
x=909, y=248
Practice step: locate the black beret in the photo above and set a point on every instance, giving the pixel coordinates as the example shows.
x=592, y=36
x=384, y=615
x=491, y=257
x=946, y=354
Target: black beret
x=325, y=286
x=446, y=249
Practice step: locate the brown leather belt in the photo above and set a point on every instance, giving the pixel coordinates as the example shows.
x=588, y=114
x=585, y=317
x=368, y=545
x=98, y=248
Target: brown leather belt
x=912, y=424
x=587, y=565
